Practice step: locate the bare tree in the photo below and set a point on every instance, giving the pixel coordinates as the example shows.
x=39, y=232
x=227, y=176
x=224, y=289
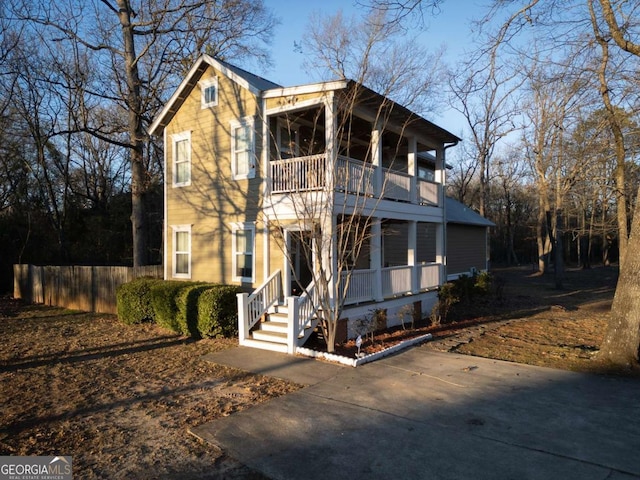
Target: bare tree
x=622, y=339
x=335, y=221
x=140, y=50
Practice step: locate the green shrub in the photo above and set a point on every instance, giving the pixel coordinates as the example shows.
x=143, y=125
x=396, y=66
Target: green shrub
x=484, y=283
x=163, y=298
x=218, y=311
x=187, y=305
x=134, y=301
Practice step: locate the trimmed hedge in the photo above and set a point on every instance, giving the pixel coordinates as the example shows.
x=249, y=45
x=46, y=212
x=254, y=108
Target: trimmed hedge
x=196, y=309
x=187, y=300
x=134, y=301
x=163, y=299
x=218, y=311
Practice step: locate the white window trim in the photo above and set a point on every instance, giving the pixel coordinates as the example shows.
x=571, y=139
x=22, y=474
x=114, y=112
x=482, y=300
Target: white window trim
x=204, y=84
x=236, y=227
x=179, y=229
x=175, y=138
x=251, y=173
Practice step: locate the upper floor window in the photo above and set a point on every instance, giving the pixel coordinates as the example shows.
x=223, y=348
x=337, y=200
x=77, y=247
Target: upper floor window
x=181, y=159
x=243, y=163
x=209, y=93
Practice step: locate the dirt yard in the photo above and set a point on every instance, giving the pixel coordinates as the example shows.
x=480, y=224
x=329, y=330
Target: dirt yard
x=121, y=398
x=118, y=398
x=537, y=324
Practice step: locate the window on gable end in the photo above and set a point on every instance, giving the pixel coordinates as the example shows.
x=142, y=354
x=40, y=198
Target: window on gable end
x=181, y=159
x=209, y=93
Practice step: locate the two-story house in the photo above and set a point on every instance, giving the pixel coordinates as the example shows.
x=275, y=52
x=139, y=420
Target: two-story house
x=281, y=189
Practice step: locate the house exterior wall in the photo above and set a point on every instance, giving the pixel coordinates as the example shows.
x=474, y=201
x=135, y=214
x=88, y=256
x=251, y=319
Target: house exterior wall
x=466, y=249
x=214, y=201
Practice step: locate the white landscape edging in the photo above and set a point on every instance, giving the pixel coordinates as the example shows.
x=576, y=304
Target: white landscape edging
x=354, y=362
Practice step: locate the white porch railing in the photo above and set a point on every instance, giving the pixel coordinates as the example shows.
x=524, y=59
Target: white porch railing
x=298, y=174
x=354, y=176
x=302, y=313
x=429, y=275
x=351, y=176
x=396, y=280
x=252, y=307
x=360, y=287
x=397, y=185
x=428, y=192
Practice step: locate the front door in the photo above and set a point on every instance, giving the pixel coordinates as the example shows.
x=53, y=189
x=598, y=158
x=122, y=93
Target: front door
x=301, y=260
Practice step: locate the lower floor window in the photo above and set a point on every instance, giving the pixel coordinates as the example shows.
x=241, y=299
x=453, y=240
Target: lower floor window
x=243, y=252
x=182, y=251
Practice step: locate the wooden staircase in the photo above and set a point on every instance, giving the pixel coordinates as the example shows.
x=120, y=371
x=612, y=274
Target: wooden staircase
x=265, y=322
x=272, y=332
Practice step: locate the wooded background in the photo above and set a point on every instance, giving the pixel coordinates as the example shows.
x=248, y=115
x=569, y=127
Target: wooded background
x=550, y=145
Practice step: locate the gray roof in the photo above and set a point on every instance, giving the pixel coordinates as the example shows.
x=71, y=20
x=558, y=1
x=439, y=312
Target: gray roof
x=457, y=212
x=259, y=82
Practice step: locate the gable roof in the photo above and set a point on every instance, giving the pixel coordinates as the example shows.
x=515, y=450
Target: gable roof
x=457, y=212
x=260, y=86
x=254, y=83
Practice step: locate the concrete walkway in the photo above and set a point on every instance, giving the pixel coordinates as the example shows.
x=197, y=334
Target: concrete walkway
x=428, y=415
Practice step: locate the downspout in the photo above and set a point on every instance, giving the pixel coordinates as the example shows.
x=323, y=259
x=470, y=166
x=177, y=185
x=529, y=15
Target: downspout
x=444, y=204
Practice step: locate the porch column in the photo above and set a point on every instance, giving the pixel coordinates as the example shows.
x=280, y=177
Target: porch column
x=375, y=258
x=441, y=257
x=440, y=175
x=412, y=168
x=376, y=158
x=330, y=139
x=412, y=254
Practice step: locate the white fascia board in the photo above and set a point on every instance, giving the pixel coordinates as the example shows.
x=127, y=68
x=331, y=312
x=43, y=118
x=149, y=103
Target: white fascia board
x=187, y=81
x=304, y=89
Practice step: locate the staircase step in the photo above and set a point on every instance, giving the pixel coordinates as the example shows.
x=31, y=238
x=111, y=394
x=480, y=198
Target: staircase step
x=274, y=337
x=274, y=326
x=278, y=317
x=274, y=347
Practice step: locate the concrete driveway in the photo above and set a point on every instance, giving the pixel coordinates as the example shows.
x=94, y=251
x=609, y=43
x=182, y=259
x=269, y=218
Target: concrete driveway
x=428, y=415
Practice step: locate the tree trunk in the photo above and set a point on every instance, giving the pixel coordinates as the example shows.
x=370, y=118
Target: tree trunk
x=559, y=249
x=622, y=339
x=136, y=137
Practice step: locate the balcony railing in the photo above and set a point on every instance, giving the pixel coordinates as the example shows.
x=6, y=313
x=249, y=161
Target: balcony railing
x=350, y=176
x=396, y=281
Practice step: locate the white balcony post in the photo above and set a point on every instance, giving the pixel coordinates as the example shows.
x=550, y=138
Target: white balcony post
x=412, y=168
x=376, y=159
x=375, y=259
x=412, y=245
x=243, y=316
x=331, y=142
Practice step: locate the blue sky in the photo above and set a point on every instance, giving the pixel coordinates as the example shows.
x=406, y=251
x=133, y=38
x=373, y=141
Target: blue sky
x=450, y=27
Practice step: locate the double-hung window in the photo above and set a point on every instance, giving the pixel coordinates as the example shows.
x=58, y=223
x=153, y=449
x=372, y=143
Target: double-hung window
x=209, y=93
x=181, y=251
x=181, y=159
x=243, y=162
x=243, y=252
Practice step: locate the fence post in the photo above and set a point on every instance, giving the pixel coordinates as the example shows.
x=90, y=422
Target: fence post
x=243, y=316
x=293, y=315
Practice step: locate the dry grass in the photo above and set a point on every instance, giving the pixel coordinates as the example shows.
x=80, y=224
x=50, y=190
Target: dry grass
x=118, y=398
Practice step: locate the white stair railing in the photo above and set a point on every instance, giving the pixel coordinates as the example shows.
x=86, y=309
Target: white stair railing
x=252, y=307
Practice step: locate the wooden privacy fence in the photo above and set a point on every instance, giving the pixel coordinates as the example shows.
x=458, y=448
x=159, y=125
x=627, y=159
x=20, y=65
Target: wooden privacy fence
x=91, y=289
